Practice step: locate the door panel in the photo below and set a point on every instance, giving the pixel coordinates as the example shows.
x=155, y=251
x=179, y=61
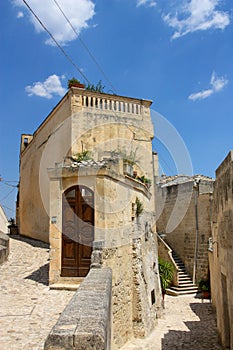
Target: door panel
x=77, y=231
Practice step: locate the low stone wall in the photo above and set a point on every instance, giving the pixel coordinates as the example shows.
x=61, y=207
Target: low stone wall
x=86, y=321
x=4, y=247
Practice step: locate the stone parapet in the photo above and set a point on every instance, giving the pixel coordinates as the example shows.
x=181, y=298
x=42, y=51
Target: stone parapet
x=86, y=321
x=4, y=247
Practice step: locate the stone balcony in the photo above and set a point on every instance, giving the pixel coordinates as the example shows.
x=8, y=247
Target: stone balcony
x=112, y=103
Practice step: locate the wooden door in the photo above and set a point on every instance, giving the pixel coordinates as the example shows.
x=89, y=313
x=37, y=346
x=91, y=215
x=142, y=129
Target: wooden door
x=77, y=231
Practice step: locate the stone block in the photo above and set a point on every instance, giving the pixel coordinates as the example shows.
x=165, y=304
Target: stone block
x=85, y=323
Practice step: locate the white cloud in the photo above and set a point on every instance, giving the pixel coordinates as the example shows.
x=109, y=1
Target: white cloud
x=201, y=95
x=79, y=12
x=20, y=14
x=197, y=15
x=217, y=84
x=51, y=86
x=149, y=3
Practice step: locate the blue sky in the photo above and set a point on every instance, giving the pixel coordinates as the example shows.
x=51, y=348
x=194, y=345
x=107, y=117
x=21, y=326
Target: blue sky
x=178, y=54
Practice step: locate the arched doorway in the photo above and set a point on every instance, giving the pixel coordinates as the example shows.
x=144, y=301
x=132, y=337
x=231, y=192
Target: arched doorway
x=77, y=231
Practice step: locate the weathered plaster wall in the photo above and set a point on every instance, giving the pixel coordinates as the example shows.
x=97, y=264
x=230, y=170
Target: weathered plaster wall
x=221, y=254
x=47, y=146
x=181, y=233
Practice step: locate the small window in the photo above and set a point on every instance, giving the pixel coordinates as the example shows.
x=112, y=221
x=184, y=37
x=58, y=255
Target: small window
x=153, y=297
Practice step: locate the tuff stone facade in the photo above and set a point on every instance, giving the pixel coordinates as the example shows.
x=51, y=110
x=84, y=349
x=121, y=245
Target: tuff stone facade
x=117, y=131
x=3, y=221
x=221, y=250
x=184, y=215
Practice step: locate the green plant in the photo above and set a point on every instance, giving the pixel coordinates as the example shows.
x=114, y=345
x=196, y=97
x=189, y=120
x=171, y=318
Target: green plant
x=84, y=155
x=204, y=285
x=139, y=206
x=73, y=81
x=166, y=274
x=98, y=87
x=144, y=180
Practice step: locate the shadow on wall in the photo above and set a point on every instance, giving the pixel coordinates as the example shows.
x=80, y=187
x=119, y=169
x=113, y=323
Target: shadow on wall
x=200, y=335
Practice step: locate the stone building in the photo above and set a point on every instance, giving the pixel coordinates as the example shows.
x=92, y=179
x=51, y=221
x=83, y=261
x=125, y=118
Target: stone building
x=3, y=221
x=183, y=210
x=86, y=186
x=221, y=250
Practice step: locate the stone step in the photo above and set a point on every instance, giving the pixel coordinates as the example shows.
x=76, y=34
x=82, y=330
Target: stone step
x=184, y=278
x=171, y=291
x=64, y=286
x=193, y=289
x=67, y=283
x=183, y=274
x=189, y=284
x=186, y=285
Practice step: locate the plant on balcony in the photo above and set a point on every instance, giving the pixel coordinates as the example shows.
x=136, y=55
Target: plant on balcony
x=82, y=156
x=76, y=83
x=144, y=180
x=97, y=88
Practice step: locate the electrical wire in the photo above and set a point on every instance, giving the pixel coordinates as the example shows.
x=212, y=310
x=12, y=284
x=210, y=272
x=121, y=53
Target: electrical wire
x=56, y=42
x=4, y=206
x=7, y=184
x=6, y=196
x=85, y=46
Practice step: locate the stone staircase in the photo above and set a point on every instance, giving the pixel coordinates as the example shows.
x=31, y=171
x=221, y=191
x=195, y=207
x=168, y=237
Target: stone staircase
x=185, y=285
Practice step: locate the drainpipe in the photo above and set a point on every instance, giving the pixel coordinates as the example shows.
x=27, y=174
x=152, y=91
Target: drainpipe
x=196, y=190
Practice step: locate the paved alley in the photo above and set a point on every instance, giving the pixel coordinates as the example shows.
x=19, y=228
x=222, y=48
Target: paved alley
x=187, y=323
x=28, y=309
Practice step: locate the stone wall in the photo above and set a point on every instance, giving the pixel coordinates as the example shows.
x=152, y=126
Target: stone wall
x=86, y=321
x=136, y=296
x=3, y=221
x=4, y=247
x=190, y=226
x=221, y=250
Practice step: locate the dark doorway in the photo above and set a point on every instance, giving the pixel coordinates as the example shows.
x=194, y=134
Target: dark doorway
x=77, y=231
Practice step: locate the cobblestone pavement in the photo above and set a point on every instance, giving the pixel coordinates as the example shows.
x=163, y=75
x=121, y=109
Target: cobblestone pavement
x=28, y=309
x=187, y=323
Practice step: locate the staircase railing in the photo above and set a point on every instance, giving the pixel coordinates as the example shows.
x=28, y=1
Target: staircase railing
x=165, y=252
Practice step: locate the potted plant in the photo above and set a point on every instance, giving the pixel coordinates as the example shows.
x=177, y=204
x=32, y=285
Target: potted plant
x=144, y=180
x=75, y=83
x=166, y=275
x=204, y=287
